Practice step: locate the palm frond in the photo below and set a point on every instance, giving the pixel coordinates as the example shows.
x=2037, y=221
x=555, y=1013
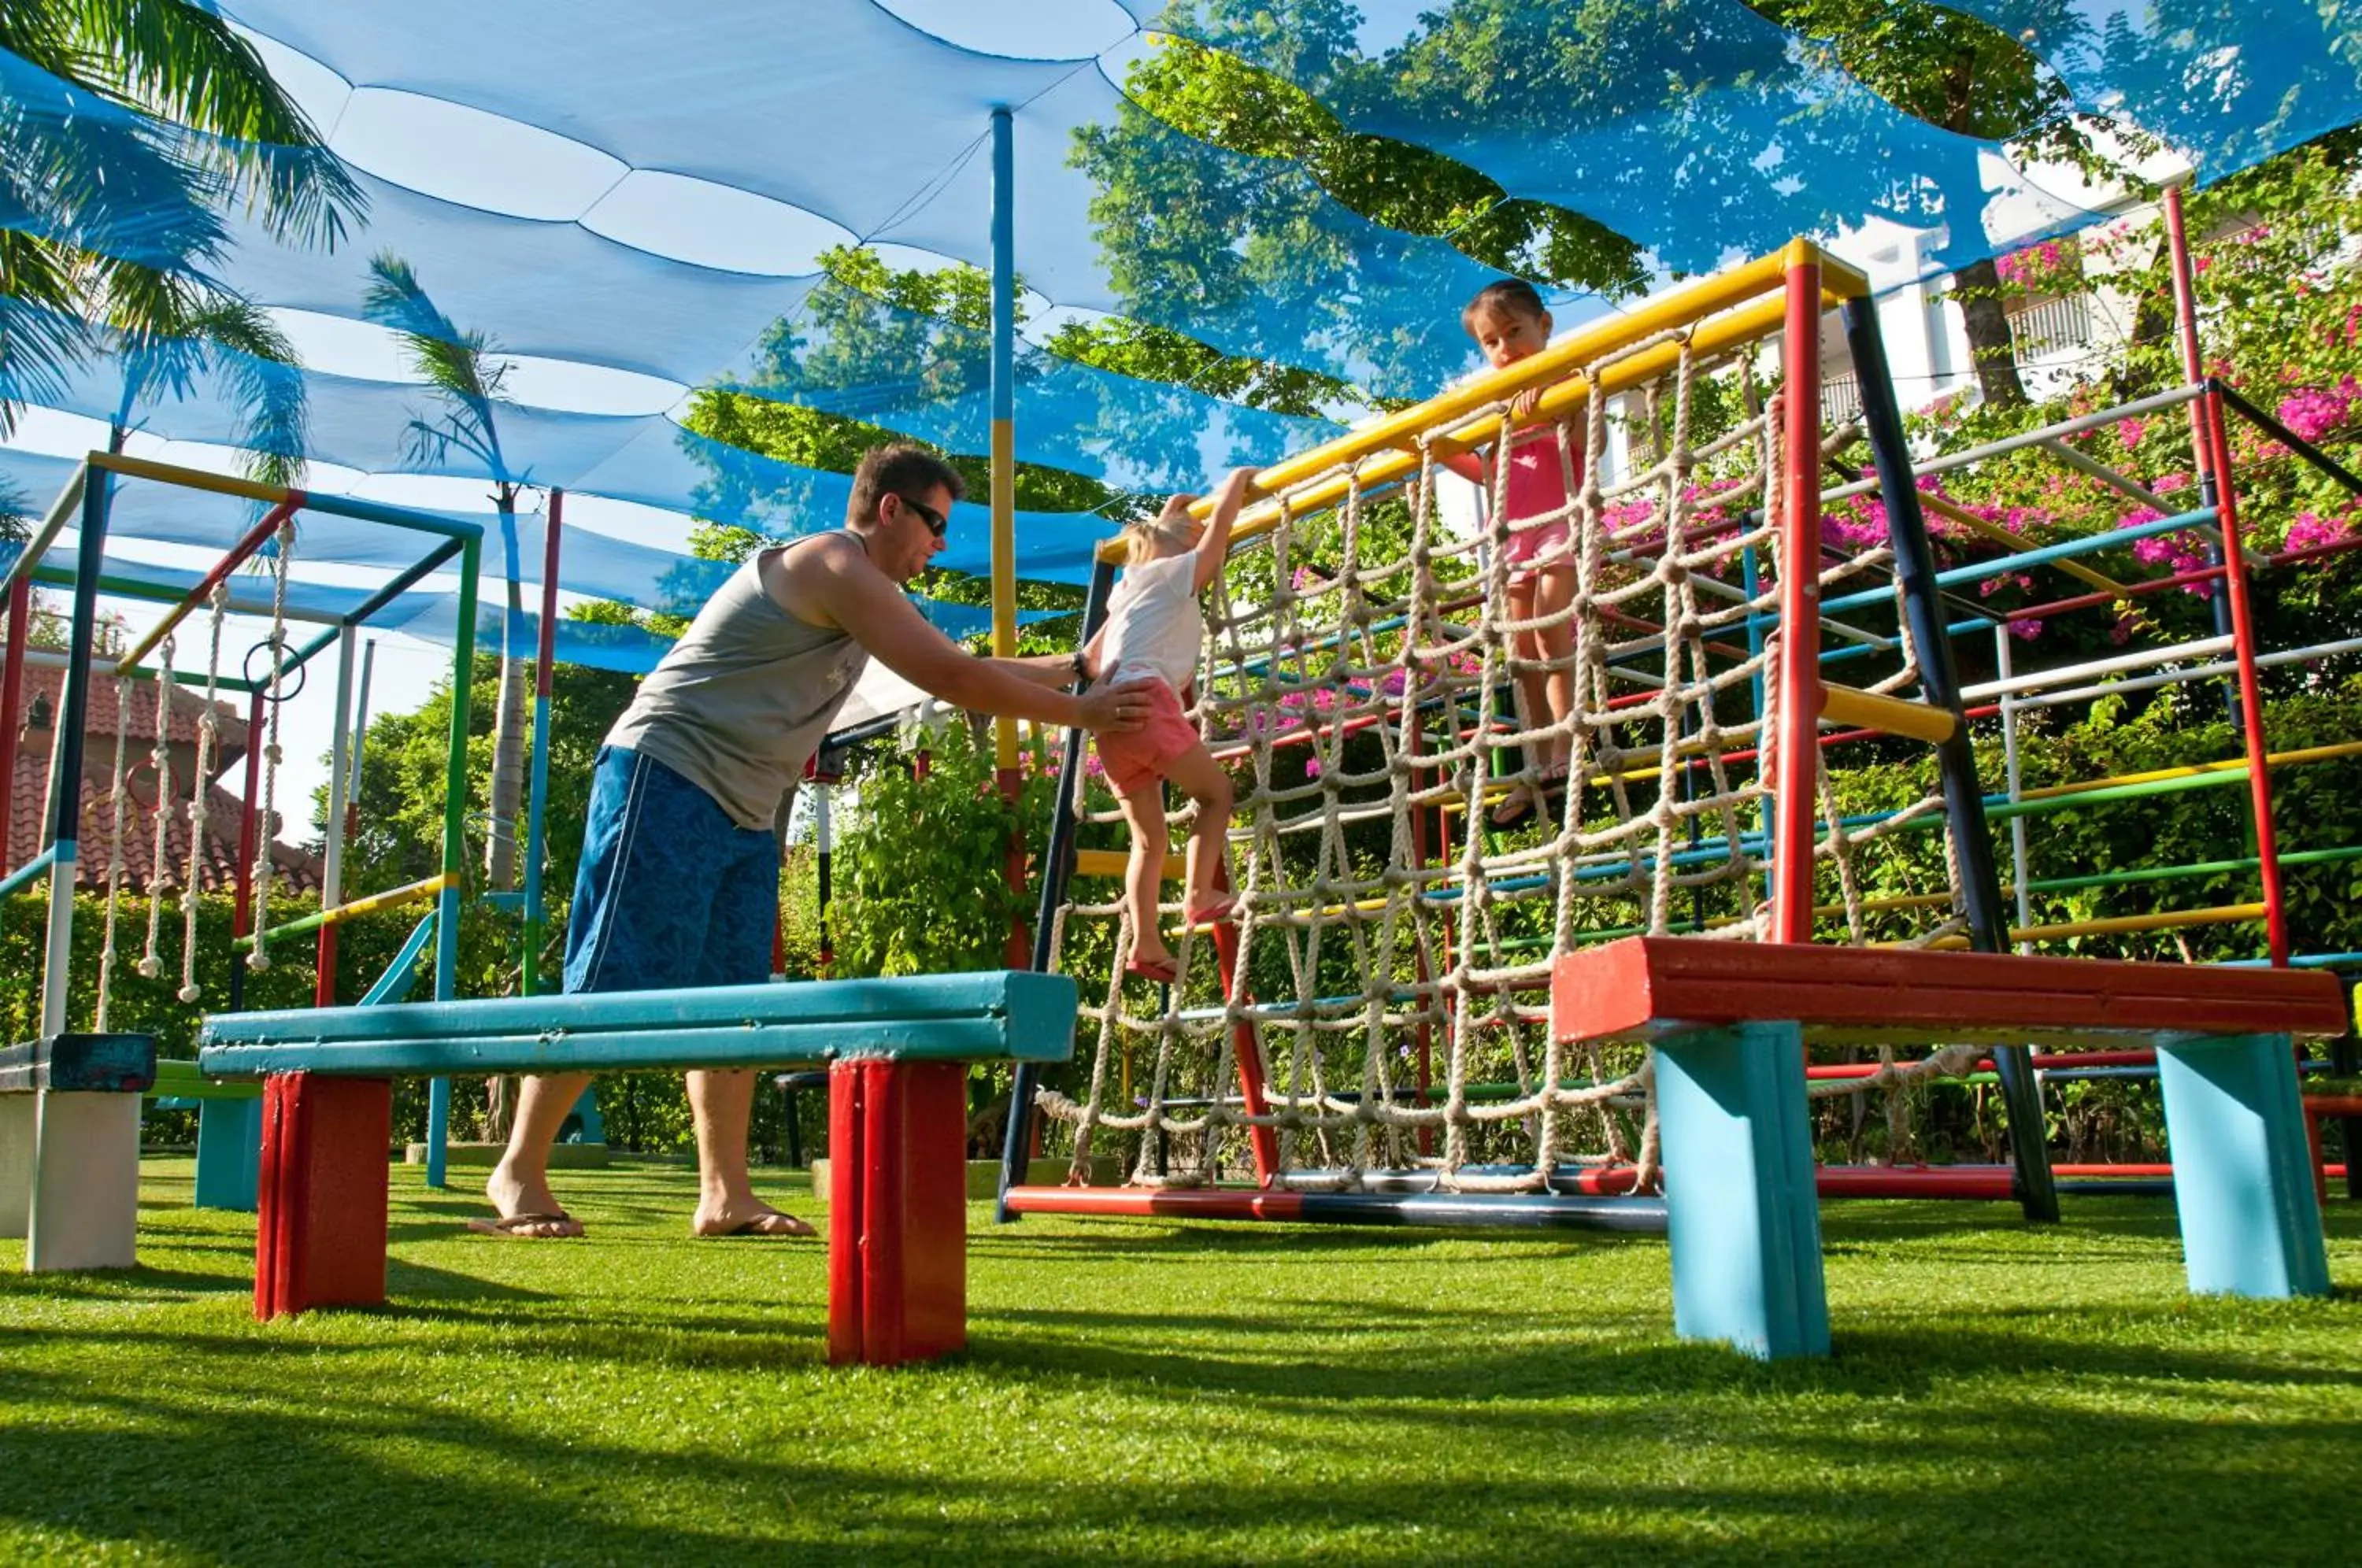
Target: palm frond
x=16, y=513
x=42, y=332
x=174, y=333
x=463, y=367
x=186, y=65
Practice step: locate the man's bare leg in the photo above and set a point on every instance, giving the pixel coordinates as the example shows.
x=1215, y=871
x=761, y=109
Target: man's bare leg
x=519, y=1185
x=723, y=1104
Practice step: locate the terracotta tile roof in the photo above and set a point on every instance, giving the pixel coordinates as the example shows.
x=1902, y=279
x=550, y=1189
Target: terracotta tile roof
x=188, y=707
x=216, y=866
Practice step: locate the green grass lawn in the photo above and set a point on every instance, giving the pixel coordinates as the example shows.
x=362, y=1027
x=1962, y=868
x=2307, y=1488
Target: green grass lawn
x=1138, y=1390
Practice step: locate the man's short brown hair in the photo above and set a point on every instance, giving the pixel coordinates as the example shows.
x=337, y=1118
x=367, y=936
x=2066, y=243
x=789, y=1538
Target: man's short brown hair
x=900, y=468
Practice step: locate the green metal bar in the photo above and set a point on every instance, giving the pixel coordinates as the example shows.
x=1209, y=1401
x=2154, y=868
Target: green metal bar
x=2201, y=869
x=454, y=840
x=402, y=584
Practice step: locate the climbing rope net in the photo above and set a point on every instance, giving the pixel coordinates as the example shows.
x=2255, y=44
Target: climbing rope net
x=122, y=801
x=1376, y=1018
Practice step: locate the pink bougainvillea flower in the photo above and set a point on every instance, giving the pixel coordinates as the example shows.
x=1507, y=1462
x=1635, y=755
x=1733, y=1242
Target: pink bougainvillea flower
x=1312, y=767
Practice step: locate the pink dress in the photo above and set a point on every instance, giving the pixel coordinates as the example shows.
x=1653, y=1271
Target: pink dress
x=1537, y=489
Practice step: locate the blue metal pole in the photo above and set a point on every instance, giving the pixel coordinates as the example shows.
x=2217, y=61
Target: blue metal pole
x=537, y=797
x=73, y=711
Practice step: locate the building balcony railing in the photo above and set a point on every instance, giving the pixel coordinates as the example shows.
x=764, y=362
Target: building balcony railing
x=2041, y=326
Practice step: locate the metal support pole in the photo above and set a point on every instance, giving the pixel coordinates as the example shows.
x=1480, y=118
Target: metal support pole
x=454, y=844
x=2020, y=868
x=1004, y=488
x=360, y=740
x=1004, y=415
x=1057, y=862
x=2251, y=697
x=242, y=918
x=2193, y=371
x=65, y=788
x=12, y=702
x=340, y=783
x=537, y=800
x=1914, y=570
x=1796, y=805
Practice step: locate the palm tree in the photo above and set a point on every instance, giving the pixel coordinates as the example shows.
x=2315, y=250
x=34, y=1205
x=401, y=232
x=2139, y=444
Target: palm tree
x=121, y=212
x=465, y=371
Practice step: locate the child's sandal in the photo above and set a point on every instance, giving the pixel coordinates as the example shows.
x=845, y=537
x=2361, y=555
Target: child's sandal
x=1164, y=974
x=1207, y=914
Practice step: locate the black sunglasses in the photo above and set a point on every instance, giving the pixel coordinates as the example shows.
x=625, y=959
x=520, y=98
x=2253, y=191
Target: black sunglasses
x=935, y=521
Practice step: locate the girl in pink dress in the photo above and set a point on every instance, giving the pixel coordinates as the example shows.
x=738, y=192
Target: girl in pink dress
x=1509, y=322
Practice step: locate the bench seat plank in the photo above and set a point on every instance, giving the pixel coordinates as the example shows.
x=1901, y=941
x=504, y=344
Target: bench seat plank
x=1651, y=988
x=997, y=1015
x=80, y=1063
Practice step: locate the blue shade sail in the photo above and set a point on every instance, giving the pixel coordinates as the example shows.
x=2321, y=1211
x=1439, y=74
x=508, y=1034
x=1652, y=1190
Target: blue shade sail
x=1697, y=130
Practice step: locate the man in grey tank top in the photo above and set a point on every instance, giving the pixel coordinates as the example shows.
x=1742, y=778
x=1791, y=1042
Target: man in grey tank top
x=679, y=877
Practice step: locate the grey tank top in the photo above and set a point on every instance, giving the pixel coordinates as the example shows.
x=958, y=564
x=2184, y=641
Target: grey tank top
x=745, y=699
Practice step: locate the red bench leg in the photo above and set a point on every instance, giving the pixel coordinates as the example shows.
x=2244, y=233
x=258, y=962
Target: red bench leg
x=321, y=1204
x=898, y=1211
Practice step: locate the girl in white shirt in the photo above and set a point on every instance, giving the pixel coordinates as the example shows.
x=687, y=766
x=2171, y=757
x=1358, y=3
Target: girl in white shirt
x=1151, y=639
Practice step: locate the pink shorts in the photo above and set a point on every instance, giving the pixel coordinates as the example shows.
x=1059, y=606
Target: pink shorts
x=1524, y=547
x=1141, y=756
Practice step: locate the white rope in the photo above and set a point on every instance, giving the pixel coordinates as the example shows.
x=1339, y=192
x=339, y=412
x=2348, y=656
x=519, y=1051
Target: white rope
x=152, y=962
x=1451, y=941
x=208, y=739
x=118, y=806
x=264, y=839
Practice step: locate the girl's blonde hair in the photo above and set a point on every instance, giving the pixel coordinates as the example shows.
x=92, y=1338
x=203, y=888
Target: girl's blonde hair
x=1142, y=541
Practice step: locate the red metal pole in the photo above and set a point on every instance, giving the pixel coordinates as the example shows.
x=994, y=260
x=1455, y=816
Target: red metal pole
x=1264, y=1141
x=2185, y=318
x=2251, y=699
x=255, y=538
x=12, y=701
x=1793, y=803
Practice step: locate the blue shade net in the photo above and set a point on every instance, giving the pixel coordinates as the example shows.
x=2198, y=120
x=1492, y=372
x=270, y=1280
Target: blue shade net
x=1696, y=129
x=1703, y=131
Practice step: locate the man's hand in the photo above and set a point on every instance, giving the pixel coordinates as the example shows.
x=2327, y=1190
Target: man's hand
x=1113, y=709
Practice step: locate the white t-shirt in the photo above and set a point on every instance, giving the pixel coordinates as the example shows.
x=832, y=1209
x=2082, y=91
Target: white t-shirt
x=1154, y=628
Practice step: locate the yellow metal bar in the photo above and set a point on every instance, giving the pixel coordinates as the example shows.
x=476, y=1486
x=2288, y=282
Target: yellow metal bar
x=2226, y=914
x=393, y=897
x=2228, y=765
x=191, y=478
x=1846, y=706
x=1554, y=368
x=1112, y=863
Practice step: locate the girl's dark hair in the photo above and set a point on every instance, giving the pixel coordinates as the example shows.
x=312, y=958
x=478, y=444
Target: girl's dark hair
x=1508, y=295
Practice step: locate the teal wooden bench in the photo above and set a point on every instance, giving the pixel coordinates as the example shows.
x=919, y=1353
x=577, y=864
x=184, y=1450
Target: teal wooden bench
x=69, y=1108
x=898, y=1050
x=1729, y=1022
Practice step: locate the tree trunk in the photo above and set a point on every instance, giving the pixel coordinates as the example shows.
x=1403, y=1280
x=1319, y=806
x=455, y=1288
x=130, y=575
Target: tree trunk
x=1976, y=289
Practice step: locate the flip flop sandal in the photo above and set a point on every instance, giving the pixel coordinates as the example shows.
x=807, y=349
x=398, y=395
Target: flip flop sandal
x=760, y=1225
x=520, y=1227
x=1207, y=914
x=1163, y=974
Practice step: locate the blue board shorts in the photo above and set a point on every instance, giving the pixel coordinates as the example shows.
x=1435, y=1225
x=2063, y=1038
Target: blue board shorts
x=670, y=891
